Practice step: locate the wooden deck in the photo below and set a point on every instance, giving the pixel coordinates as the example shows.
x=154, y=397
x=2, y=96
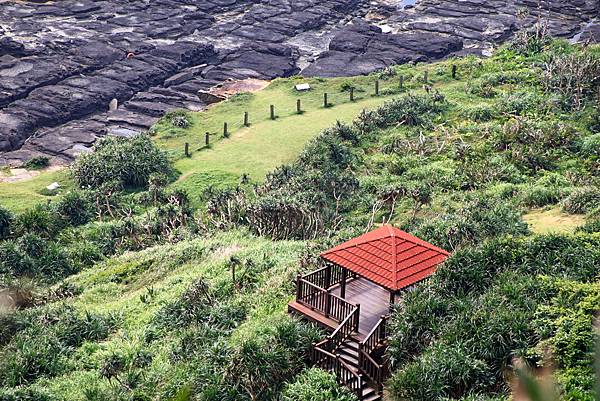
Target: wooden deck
x=374, y=302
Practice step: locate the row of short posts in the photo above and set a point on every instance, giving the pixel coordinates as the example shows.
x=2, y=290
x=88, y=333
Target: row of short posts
x=299, y=110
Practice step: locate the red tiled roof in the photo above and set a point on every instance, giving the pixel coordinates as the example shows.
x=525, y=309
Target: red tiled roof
x=389, y=257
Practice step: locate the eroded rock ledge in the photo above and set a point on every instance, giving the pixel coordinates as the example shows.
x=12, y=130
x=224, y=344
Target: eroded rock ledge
x=62, y=63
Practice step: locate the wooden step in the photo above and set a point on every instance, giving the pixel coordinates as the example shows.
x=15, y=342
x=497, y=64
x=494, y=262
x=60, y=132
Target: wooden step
x=370, y=394
x=353, y=362
x=348, y=351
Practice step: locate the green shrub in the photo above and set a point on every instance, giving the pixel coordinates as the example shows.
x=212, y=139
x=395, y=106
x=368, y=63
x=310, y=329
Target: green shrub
x=74, y=208
x=261, y=367
x=476, y=221
x=37, y=163
x=480, y=113
x=590, y=146
x=548, y=190
x=43, y=348
x=480, y=88
x=24, y=394
x=316, y=385
x=38, y=220
x=128, y=161
x=590, y=226
x=522, y=103
x=6, y=220
x=582, y=200
x=179, y=118
x=442, y=372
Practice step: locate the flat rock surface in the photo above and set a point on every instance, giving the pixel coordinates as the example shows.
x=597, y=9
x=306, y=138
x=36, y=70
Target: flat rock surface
x=62, y=63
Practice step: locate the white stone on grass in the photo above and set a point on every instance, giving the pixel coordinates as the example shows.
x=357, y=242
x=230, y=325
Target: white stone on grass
x=302, y=87
x=53, y=187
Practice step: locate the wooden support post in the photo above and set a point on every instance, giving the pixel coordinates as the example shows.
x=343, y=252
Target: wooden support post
x=377, y=88
x=187, y=149
x=343, y=287
x=392, y=299
x=401, y=82
x=207, y=139
x=325, y=102
x=298, y=286
x=328, y=303
x=225, y=131
x=383, y=331
x=453, y=71
x=246, y=119
x=272, y=112
x=328, y=276
x=351, y=94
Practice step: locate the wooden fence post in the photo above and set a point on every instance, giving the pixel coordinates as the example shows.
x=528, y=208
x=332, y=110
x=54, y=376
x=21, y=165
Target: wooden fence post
x=272, y=112
x=425, y=76
x=225, y=131
x=325, y=102
x=377, y=88
x=187, y=149
x=453, y=71
x=207, y=139
x=298, y=106
x=401, y=82
x=246, y=119
x=351, y=94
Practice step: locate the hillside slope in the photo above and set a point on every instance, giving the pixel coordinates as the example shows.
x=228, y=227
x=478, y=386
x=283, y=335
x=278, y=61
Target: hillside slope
x=133, y=292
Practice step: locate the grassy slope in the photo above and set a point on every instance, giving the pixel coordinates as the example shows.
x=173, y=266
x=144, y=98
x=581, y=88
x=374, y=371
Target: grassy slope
x=117, y=285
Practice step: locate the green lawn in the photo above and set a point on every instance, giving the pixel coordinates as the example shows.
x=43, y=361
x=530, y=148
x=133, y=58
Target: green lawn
x=265, y=144
x=21, y=195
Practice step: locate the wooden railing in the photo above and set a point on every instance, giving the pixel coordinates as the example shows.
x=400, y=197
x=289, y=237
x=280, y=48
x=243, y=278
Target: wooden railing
x=344, y=331
x=376, y=372
x=343, y=372
x=322, y=300
x=377, y=338
x=327, y=276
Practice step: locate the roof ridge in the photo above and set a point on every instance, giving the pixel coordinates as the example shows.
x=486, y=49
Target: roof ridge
x=394, y=253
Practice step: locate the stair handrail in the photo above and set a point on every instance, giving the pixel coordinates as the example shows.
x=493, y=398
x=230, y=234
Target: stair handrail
x=370, y=368
x=341, y=369
x=375, y=371
x=377, y=335
x=348, y=326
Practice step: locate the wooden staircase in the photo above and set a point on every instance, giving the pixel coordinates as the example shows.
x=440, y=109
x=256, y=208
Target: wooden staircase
x=354, y=362
x=355, y=359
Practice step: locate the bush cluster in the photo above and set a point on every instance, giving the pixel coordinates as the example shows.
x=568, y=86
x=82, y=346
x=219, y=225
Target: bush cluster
x=126, y=162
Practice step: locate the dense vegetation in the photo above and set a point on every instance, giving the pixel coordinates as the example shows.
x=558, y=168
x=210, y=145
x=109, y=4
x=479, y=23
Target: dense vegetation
x=123, y=290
